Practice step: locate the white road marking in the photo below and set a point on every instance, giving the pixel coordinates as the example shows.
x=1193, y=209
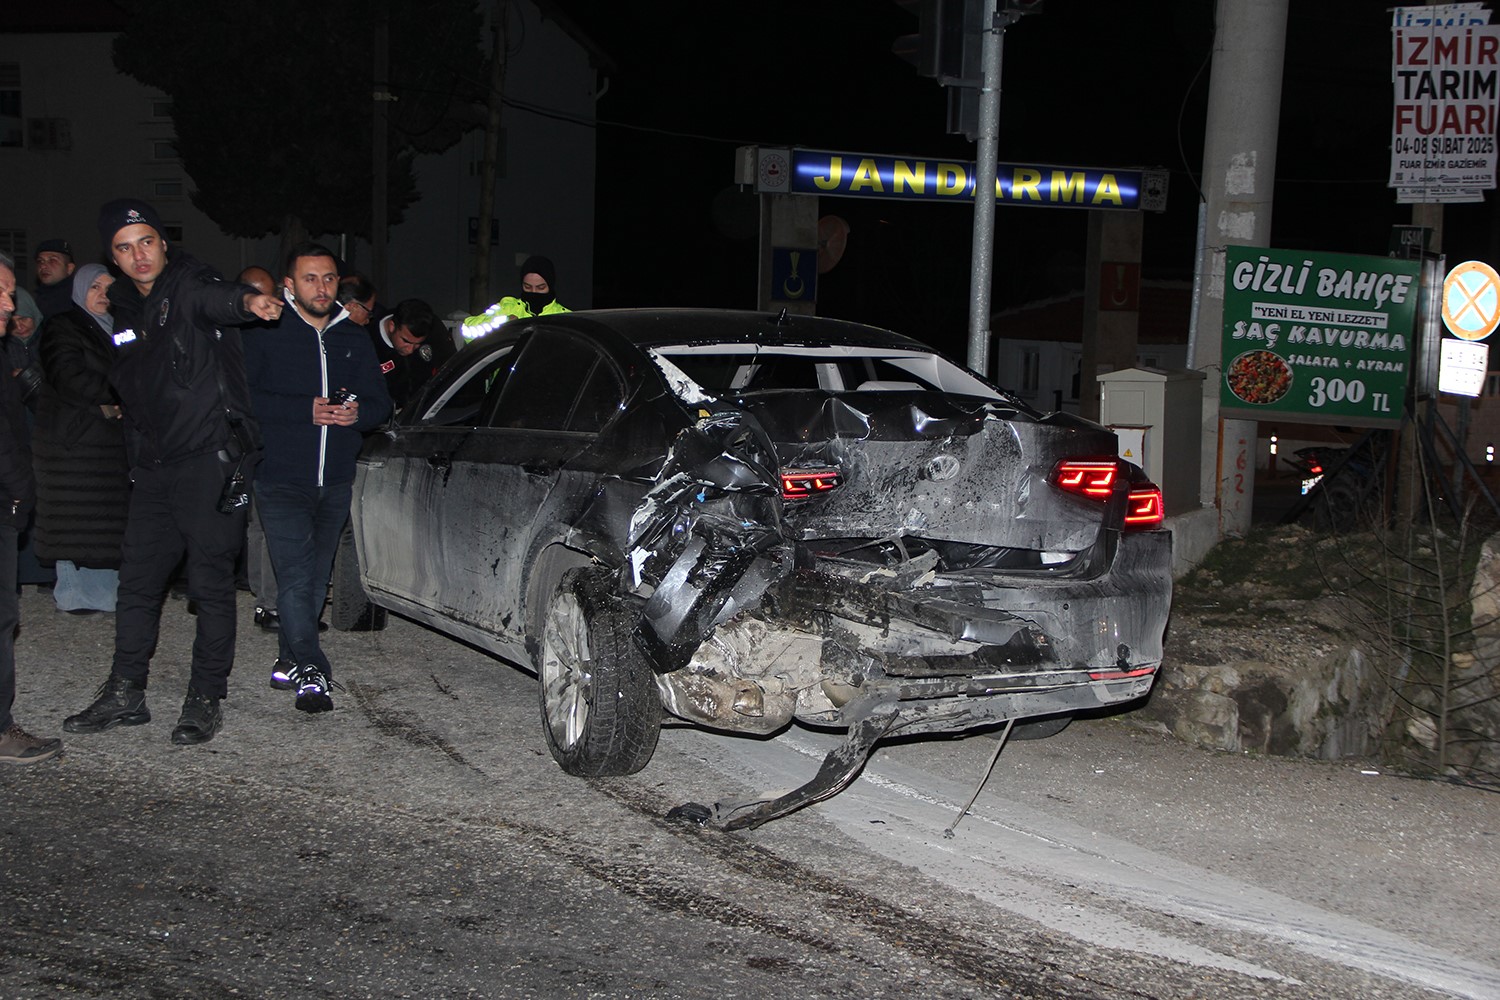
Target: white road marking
x=1071, y=879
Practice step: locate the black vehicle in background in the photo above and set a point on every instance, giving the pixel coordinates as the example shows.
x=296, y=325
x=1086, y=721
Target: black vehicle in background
x=1343, y=484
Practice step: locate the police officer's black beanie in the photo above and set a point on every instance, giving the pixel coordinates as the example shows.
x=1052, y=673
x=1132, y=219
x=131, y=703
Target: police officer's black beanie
x=116, y=215
x=537, y=264
x=55, y=246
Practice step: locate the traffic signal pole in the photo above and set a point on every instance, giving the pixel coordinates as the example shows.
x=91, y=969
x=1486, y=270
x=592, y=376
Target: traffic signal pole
x=986, y=165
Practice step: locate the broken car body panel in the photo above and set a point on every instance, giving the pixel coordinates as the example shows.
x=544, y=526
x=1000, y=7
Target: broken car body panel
x=806, y=519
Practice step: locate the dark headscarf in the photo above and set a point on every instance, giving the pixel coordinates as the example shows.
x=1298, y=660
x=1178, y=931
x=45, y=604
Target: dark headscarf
x=537, y=301
x=26, y=306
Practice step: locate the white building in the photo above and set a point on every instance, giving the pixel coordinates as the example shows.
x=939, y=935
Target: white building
x=1039, y=346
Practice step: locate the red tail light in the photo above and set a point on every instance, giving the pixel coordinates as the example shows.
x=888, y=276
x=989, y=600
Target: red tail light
x=1095, y=479
x=798, y=484
x=1087, y=479
x=1144, y=508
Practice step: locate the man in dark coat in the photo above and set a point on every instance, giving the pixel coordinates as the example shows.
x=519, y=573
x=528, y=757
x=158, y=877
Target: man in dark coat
x=54, y=277
x=17, y=490
x=316, y=388
x=191, y=440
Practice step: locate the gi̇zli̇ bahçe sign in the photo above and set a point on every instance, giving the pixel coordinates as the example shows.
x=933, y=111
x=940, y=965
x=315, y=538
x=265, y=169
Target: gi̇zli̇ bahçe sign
x=1317, y=337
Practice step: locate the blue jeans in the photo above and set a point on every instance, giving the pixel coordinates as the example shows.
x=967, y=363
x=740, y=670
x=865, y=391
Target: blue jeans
x=80, y=587
x=302, y=526
x=258, y=563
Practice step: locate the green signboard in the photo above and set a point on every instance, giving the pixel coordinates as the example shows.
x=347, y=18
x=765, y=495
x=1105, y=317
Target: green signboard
x=1317, y=337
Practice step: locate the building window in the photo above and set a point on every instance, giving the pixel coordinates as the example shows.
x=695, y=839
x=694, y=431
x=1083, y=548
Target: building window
x=161, y=109
x=166, y=189
x=1492, y=384
x=173, y=232
x=164, y=150
x=11, y=125
x=13, y=245
x=54, y=134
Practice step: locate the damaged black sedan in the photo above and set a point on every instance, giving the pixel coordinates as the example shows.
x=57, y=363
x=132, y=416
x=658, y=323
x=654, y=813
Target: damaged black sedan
x=743, y=520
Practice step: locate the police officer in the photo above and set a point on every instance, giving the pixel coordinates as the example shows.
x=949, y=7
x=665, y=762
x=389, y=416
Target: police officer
x=538, y=298
x=180, y=374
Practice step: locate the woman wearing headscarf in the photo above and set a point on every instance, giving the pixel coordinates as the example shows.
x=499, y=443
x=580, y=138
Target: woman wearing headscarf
x=21, y=344
x=83, y=479
x=21, y=349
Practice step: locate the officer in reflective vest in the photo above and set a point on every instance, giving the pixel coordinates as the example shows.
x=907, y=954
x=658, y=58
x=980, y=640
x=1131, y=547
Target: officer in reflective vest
x=538, y=298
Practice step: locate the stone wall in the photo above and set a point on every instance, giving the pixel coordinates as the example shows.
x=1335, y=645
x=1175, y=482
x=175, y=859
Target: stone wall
x=1247, y=669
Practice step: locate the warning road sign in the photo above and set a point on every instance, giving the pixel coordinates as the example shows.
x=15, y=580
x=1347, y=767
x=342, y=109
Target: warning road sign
x=1471, y=300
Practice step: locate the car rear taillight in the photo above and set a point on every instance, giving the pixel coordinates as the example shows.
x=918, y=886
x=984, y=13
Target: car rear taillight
x=1087, y=479
x=798, y=484
x=1144, y=508
x=1096, y=478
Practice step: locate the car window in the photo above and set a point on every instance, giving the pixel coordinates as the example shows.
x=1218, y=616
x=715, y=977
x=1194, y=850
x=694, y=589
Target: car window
x=748, y=368
x=472, y=393
x=560, y=382
x=602, y=397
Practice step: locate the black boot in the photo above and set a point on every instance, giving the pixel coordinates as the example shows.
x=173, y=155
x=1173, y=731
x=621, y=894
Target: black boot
x=118, y=702
x=200, y=720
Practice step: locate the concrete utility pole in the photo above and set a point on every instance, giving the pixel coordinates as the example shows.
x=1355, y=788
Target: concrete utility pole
x=1239, y=176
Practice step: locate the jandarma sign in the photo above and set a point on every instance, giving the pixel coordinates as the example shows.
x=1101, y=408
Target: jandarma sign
x=860, y=175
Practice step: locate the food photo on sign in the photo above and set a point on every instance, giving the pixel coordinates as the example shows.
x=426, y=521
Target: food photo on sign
x=1317, y=337
x=1259, y=377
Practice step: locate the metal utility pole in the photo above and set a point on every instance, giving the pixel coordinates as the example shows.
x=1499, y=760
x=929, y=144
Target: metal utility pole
x=986, y=163
x=479, y=280
x=952, y=33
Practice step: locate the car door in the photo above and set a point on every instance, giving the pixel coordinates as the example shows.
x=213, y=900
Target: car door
x=404, y=481
x=510, y=484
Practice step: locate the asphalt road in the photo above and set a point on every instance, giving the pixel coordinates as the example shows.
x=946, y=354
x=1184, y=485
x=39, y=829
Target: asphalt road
x=418, y=841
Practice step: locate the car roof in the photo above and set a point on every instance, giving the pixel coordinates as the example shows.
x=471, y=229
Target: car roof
x=657, y=327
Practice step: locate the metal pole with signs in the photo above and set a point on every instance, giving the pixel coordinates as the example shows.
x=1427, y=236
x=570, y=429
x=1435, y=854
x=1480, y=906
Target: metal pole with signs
x=1471, y=312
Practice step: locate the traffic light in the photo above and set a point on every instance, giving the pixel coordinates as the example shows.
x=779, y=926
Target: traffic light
x=937, y=49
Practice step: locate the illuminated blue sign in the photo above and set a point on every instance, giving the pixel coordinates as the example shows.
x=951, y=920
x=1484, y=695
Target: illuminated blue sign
x=857, y=175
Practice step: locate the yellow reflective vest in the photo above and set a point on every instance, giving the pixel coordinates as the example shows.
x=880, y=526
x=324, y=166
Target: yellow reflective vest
x=504, y=311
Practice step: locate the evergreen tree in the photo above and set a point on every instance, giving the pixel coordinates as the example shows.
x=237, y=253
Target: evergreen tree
x=272, y=102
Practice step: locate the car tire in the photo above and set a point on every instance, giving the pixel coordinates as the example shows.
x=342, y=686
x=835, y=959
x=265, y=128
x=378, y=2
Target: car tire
x=1340, y=507
x=601, y=712
x=350, y=609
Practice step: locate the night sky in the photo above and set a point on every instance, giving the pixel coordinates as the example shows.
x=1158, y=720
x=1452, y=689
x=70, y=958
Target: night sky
x=1084, y=83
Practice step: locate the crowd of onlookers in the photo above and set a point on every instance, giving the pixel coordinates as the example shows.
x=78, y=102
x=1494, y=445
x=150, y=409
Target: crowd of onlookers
x=161, y=425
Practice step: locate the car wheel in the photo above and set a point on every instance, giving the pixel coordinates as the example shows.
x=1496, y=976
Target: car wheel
x=350, y=609
x=1340, y=507
x=600, y=709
